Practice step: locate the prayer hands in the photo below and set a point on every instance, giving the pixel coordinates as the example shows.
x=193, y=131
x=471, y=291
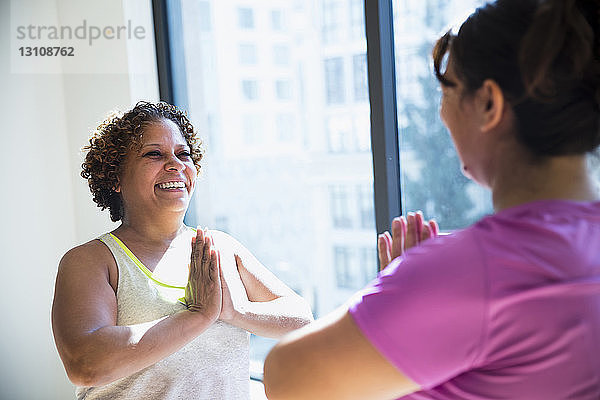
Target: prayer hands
x=406, y=233
x=229, y=309
x=203, y=293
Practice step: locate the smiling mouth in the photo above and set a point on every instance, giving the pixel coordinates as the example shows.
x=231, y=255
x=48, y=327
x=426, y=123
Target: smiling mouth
x=171, y=185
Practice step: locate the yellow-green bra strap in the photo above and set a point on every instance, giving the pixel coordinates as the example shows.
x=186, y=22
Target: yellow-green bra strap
x=141, y=266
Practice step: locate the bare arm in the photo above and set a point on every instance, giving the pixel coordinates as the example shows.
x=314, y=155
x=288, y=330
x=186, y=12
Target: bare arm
x=93, y=349
x=331, y=359
x=254, y=299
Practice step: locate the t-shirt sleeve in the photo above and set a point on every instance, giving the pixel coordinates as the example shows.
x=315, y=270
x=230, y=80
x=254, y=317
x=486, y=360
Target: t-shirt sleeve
x=426, y=312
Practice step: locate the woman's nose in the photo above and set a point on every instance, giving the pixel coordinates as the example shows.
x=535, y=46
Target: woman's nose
x=174, y=164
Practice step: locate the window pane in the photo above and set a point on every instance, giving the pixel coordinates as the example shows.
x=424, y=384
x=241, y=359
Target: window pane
x=288, y=168
x=359, y=76
x=247, y=54
x=281, y=54
x=357, y=18
x=277, y=22
x=431, y=173
x=250, y=89
x=245, y=18
x=333, y=20
x=334, y=80
x=283, y=89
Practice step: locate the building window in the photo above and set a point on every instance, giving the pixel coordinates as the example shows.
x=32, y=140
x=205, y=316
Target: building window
x=354, y=267
x=245, y=18
x=334, y=80
x=250, y=89
x=342, y=260
x=283, y=89
x=281, y=54
x=247, y=54
x=366, y=206
x=359, y=77
x=357, y=19
x=277, y=22
x=340, y=206
x=368, y=265
x=284, y=127
x=332, y=21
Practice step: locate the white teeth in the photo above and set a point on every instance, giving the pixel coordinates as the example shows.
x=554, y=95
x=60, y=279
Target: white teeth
x=171, y=185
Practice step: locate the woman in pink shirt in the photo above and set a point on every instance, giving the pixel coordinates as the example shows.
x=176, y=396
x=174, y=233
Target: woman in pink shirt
x=508, y=308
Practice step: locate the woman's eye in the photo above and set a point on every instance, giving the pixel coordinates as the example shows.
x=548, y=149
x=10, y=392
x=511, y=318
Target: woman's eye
x=154, y=153
x=185, y=154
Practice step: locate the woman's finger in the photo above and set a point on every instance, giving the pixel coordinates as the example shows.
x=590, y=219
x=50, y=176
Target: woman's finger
x=419, y=225
x=411, y=231
x=398, y=236
x=213, y=272
x=425, y=232
x=433, y=226
x=383, y=250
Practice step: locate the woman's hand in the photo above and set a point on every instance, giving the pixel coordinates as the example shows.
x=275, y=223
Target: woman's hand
x=203, y=293
x=406, y=233
x=230, y=307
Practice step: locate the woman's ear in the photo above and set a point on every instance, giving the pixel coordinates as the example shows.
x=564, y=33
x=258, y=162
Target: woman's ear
x=491, y=105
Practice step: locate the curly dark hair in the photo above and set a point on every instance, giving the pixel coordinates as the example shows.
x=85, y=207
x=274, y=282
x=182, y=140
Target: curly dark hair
x=118, y=134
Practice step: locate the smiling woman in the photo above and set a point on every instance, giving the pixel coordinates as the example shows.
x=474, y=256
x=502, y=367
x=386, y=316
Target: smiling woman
x=156, y=309
x=110, y=146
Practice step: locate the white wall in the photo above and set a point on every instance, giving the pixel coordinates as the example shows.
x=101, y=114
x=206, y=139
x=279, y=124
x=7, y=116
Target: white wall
x=46, y=206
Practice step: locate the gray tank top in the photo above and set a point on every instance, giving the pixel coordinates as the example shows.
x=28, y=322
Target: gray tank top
x=215, y=365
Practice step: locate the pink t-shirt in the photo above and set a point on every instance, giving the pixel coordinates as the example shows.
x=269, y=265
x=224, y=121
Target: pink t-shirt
x=508, y=308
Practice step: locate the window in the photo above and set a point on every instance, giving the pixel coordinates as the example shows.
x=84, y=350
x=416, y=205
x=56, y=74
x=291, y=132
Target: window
x=354, y=267
x=334, y=80
x=368, y=264
x=359, y=76
x=357, y=18
x=277, y=20
x=245, y=18
x=343, y=268
x=247, y=54
x=250, y=89
x=365, y=207
x=332, y=21
x=283, y=89
x=281, y=54
x=340, y=206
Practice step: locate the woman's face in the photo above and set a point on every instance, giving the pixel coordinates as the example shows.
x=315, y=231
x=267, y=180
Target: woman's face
x=459, y=114
x=160, y=175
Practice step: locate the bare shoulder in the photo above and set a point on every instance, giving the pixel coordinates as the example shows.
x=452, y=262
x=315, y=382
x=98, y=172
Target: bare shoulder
x=89, y=259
